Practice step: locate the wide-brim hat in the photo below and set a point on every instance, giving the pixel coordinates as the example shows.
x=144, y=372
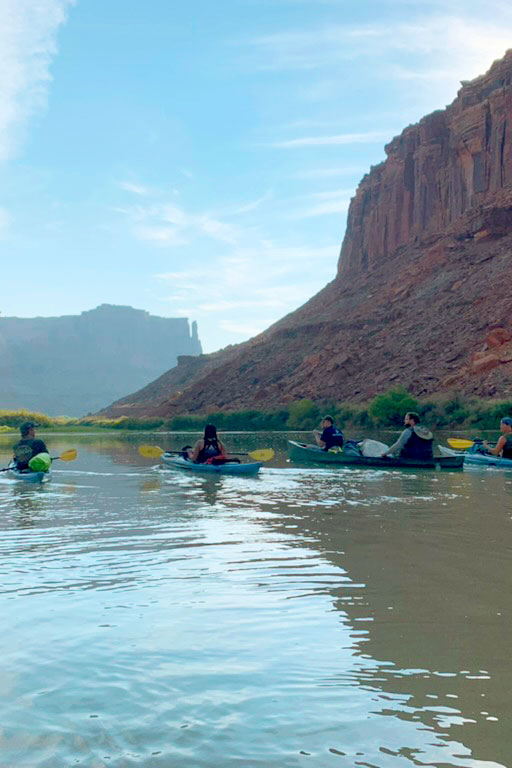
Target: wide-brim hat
x=423, y=432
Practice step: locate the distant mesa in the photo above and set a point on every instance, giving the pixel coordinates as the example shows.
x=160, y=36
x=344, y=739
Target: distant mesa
x=422, y=295
x=73, y=365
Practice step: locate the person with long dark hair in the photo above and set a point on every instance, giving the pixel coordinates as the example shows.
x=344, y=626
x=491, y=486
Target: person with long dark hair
x=208, y=447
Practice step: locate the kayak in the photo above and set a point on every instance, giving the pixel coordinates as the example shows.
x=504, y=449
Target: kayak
x=229, y=468
x=312, y=453
x=482, y=459
x=28, y=477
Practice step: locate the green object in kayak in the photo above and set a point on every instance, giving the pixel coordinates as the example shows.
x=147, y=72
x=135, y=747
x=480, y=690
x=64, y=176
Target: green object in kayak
x=40, y=463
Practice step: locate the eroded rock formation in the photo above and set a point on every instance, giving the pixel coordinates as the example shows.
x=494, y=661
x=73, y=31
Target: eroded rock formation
x=422, y=296
x=72, y=365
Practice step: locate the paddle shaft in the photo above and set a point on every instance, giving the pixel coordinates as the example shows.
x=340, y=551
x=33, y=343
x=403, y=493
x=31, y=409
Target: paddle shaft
x=53, y=458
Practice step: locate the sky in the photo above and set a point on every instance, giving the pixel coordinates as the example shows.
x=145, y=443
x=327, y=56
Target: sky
x=198, y=158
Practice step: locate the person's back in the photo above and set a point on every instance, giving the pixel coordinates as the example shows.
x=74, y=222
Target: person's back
x=415, y=442
x=28, y=447
x=419, y=445
x=209, y=447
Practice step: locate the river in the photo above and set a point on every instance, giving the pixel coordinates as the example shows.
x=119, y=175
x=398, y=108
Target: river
x=304, y=617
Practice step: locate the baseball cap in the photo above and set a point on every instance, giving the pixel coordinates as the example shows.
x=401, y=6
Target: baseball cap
x=24, y=428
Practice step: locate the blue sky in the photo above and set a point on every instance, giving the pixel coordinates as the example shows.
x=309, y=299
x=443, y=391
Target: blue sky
x=197, y=158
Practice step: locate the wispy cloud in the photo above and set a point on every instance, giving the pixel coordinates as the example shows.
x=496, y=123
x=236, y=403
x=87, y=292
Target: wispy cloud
x=28, y=32
x=170, y=225
x=324, y=203
x=370, y=137
x=326, y=173
x=135, y=189
x=465, y=42
x=249, y=288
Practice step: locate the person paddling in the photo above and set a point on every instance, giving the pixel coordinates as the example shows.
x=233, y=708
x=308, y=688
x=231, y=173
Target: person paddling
x=330, y=435
x=28, y=447
x=208, y=448
x=415, y=442
x=503, y=447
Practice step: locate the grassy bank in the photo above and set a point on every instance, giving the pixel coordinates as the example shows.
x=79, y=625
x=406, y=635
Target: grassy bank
x=384, y=411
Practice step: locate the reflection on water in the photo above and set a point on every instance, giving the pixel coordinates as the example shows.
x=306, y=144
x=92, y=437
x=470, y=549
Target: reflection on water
x=303, y=617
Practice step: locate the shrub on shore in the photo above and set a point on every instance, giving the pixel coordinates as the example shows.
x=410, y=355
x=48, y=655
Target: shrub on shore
x=388, y=410
x=384, y=411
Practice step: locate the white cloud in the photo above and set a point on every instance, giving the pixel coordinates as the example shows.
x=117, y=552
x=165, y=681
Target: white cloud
x=160, y=235
x=28, y=33
x=170, y=225
x=338, y=206
x=466, y=39
x=260, y=284
x=135, y=189
x=324, y=173
x=341, y=139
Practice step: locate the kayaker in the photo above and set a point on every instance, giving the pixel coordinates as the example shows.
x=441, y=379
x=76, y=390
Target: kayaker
x=503, y=447
x=415, y=442
x=208, y=447
x=330, y=434
x=29, y=446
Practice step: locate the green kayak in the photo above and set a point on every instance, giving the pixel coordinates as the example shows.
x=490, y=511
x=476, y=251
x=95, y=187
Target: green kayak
x=311, y=453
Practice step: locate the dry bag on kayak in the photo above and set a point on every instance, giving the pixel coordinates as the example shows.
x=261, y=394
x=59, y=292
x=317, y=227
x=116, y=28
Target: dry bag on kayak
x=40, y=463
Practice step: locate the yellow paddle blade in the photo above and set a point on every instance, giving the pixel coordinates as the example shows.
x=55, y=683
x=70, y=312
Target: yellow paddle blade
x=459, y=443
x=69, y=455
x=264, y=454
x=150, y=451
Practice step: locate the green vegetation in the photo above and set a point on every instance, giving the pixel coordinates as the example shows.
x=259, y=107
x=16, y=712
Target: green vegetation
x=384, y=411
x=303, y=414
x=388, y=410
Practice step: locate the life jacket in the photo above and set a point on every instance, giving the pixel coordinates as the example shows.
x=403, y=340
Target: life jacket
x=26, y=449
x=210, y=450
x=334, y=438
x=419, y=444
x=507, y=448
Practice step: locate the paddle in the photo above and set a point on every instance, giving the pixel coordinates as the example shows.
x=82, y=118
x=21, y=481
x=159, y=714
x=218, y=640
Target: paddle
x=66, y=456
x=69, y=455
x=154, y=452
x=459, y=443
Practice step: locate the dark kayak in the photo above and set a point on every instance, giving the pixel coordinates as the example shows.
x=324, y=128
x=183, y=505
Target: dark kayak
x=311, y=453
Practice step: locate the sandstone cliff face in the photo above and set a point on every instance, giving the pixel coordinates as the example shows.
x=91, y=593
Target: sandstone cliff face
x=422, y=296
x=453, y=162
x=73, y=365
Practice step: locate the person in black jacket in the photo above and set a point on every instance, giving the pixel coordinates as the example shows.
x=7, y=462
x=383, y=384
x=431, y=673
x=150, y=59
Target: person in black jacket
x=29, y=446
x=330, y=435
x=415, y=442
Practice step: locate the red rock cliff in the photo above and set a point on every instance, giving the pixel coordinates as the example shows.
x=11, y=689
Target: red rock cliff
x=453, y=162
x=422, y=297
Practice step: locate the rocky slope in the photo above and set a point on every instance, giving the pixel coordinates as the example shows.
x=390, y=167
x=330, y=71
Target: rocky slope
x=422, y=295
x=72, y=365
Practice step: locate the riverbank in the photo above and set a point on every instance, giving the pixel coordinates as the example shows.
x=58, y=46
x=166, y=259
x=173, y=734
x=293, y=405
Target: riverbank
x=383, y=411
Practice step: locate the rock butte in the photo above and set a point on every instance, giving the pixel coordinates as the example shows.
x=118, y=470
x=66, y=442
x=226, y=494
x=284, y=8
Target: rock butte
x=74, y=364
x=422, y=295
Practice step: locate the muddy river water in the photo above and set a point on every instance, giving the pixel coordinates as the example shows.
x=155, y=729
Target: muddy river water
x=304, y=617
